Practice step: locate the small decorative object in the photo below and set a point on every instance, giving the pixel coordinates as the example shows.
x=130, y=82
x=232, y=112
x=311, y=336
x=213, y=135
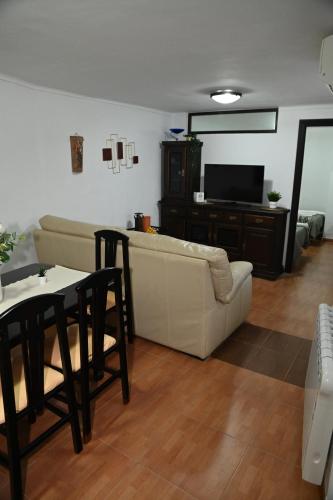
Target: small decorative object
x=273, y=198
x=42, y=275
x=174, y=132
x=145, y=223
x=77, y=153
x=191, y=137
x=107, y=154
x=123, y=160
x=119, y=153
x=199, y=197
x=151, y=230
x=195, y=144
x=7, y=243
x=138, y=221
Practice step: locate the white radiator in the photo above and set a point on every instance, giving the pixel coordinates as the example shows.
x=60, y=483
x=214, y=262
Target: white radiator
x=318, y=399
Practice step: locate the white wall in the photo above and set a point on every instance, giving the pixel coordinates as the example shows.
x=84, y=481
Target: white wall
x=317, y=177
x=276, y=151
x=35, y=170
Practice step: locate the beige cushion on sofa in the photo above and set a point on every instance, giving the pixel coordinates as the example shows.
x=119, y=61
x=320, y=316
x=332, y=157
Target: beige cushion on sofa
x=72, y=227
x=240, y=272
x=217, y=258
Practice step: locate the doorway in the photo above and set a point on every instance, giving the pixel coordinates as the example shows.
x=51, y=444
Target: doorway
x=306, y=127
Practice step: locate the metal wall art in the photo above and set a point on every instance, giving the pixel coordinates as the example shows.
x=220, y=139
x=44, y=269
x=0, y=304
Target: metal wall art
x=119, y=152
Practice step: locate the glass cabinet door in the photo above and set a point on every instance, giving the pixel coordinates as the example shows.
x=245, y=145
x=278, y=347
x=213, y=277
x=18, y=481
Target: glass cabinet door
x=175, y=171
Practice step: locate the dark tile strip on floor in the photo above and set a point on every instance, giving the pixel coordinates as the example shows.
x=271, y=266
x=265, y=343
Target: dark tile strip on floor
x=271, y=353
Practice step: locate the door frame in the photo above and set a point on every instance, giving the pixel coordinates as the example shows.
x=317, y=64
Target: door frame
x=303, y=125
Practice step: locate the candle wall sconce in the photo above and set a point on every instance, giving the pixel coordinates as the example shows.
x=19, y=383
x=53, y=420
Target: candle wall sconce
x=119, y=152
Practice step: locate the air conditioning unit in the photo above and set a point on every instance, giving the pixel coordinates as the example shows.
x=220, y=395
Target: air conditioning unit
x=326, y=61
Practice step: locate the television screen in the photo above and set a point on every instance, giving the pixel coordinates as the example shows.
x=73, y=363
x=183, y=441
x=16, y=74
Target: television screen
x=234, y=182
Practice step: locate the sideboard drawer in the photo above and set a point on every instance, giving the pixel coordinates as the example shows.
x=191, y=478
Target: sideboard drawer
x=175, y=211
x=232, y=218
x=259, y=220
x=196, y=213
x=212, y=215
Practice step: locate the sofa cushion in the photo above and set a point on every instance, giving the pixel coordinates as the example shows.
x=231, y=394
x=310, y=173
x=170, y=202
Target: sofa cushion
x=72, y=227
x=240, y=271
x=216, y=257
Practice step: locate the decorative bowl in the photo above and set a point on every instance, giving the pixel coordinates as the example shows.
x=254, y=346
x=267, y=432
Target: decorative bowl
x=176, y=130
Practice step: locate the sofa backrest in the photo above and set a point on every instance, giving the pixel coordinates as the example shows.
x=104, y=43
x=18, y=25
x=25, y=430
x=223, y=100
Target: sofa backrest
x=216, y=257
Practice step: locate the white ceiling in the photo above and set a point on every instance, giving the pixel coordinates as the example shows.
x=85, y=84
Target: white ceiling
x=170, y=54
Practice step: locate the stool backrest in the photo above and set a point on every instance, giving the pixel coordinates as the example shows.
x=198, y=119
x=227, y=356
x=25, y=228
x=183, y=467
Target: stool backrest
x=22, y=326
x=92, y=291
x=111, y=240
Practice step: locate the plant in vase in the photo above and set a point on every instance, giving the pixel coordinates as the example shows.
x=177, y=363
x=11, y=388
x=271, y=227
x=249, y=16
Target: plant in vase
x=195, y=143
x=42, y=275
x=273, y=198
x=8, y=241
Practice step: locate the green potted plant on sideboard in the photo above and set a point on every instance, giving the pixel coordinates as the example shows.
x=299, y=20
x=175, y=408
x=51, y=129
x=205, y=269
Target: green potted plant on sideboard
x=273, y=198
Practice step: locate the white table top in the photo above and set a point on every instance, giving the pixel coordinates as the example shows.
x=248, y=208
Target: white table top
x=58, y=277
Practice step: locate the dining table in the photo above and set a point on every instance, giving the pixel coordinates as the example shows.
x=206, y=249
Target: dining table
x=23, y=283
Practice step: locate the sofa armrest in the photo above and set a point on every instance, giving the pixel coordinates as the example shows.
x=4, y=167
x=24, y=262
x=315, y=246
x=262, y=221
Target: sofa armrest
x=240, y=270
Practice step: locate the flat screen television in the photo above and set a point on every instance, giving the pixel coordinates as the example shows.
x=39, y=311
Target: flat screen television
x=237, y=183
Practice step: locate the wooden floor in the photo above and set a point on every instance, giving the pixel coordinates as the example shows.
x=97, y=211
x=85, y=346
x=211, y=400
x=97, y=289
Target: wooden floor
x=290, y=304
x=194, y=429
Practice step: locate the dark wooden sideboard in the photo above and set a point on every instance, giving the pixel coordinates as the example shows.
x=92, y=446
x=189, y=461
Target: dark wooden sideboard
x=247, y=233
x=252, y=233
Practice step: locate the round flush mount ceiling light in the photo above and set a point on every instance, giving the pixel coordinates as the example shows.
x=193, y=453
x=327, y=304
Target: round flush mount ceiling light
x=227, y=96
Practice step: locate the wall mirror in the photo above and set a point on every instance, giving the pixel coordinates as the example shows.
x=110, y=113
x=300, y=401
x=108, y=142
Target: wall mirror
x=234, y=122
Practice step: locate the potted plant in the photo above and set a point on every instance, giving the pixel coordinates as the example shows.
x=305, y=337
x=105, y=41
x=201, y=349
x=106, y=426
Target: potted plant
x=7, y=243
x=42, y=275
x=273, y=198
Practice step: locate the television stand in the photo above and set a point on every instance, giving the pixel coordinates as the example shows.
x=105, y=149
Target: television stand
x=246, y=232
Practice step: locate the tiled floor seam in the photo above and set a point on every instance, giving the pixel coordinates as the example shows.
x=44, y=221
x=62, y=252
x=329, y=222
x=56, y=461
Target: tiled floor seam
x=286, y=462
x=139, y=462
x=124, y=455
x=171, y=482
x=114, y=396
x=247, y=445
x=236, y=469
x=122, y=452
x=291, y=366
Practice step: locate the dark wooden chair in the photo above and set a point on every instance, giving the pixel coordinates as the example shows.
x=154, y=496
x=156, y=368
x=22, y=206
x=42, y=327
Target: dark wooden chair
x=89, y=343
x=111, y=240
x=27, y=384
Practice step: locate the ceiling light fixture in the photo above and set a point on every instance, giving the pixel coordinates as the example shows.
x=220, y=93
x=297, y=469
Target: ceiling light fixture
x=227, y=96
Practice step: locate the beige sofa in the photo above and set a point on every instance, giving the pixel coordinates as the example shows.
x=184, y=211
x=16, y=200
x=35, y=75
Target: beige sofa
x=186, y=296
